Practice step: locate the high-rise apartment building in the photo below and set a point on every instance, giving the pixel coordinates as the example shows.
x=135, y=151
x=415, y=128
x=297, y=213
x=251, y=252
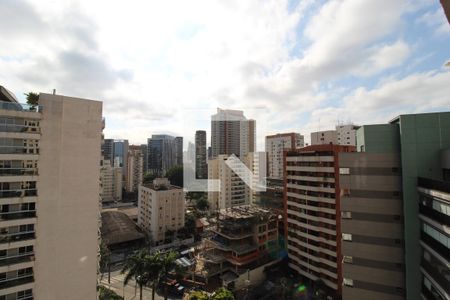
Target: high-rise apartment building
x=162, y=153
x=107, y=150
x=161, y=207
x=346, y=134
x=201, y=167
x=233, y=190
x=421, y=141
x=275, y=147
x=111, y=179
x=372, y=225
x=324, y=137
x=343, y=135
x=144, y=150
x=232, y=133
x=312, y=208
x=179, y=150
x=120, y=152
x=49, y=160
x=135, y=168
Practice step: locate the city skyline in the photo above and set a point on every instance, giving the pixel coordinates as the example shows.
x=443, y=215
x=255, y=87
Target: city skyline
x=317, y=65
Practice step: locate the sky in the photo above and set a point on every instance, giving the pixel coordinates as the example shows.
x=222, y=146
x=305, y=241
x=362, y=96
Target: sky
x=165, y=66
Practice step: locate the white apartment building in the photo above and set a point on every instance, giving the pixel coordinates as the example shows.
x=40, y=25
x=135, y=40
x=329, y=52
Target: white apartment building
x=346, y=134
x=161, y=207
x=233, y=191
x=111, y=181
x=275, y=146
x=324, y=137
x=135, y=168
x=49, y=190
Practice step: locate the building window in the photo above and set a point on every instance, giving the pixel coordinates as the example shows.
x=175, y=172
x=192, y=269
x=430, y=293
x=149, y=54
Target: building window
x=344, y=171
x=347, y=237
x=348, y=282
x=346, y=214
x=348, y=259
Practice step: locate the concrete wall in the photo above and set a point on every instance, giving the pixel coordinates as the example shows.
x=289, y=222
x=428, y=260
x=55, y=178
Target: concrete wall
x=68, y=205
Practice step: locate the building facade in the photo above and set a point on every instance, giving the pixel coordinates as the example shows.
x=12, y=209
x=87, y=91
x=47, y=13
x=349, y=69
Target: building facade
x=162, y=153
x=233, y=190
x=312, y=208
x=324, y=137
x=346, y=134
x=201, y=167
x=275, y=147
x=49, y=158
x=161, y=207
x=107, y=150
x=232, y=133
x=111, y=182
x=372, y=226
x=135, y=168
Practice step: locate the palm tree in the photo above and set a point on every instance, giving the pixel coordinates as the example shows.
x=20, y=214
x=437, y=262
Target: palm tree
x=154, y=267
x=167, y=265
x=138, y=268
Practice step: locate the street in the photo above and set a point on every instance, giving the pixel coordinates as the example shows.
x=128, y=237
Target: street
x=129, y=292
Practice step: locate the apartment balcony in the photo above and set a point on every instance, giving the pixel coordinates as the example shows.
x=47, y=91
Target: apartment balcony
x=15, y=237
x=18, y=171
x=433, y=184
x=433, y=214
x=15, y=215
x=435, y=245
x=438, y=277
x=18, y=193
x=19, y=107
x=17, y=259
x=12, y=282
x=19, y=128
x=16, y=149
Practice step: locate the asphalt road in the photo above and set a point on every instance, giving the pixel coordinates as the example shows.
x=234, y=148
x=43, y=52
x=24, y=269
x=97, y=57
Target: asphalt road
x=129, y=292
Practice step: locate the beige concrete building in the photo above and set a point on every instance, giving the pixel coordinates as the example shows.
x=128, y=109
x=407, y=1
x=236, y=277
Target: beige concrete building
x=49, y=164
x=324, y=137
x=275, y=146
x=346, y=134
x=233, y=190
x=135, y=168
x=161, y=207
x=111, y=182
x=372, y=226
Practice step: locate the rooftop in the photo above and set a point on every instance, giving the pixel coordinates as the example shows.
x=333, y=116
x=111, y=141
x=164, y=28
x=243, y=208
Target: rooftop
x=243, y=212
x=117, y=228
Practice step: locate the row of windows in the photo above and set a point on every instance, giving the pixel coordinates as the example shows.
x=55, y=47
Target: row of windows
x=436, y=234
x=443, y=208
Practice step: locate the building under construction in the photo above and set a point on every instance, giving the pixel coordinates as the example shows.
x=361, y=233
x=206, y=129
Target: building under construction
x=243, y=242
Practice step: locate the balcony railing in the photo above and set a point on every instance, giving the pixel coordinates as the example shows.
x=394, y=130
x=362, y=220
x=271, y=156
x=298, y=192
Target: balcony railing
x=435, y=245
x=7, y=283
x=16, y=259
x=17, y=150
x=5, y=216
x=439, y=185
x=19, y=128
x=19, y=236
x=20, y=106
x=18, y=193
x=438, y=277
x=18, y=171
x=433, y=214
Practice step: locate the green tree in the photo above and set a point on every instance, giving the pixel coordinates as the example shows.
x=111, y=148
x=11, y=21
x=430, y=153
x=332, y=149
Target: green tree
x=222, y=294
x=107, y=294
x=105, y=260
x=168, y=264
x=32, y=99
x=142, y=268
x=202, y=204
x=175, y=175
x=148, y=177
x=198, y=295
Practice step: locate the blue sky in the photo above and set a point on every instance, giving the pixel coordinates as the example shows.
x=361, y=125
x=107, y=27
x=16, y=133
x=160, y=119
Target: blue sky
x=165, y=66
